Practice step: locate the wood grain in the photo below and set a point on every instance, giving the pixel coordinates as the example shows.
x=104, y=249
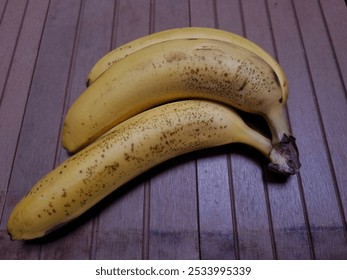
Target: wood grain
x=40, y=128
x=219, y=203
x=11, y=22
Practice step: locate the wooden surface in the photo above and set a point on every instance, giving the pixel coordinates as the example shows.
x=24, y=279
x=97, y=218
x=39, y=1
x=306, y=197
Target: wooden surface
x=216, y=204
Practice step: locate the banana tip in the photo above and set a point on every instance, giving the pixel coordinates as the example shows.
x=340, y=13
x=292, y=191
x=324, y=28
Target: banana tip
x=13, y=237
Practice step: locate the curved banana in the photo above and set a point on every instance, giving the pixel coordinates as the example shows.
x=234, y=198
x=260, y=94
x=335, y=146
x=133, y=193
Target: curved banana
x=183, y=33
x=127, y=150
x=173, y=70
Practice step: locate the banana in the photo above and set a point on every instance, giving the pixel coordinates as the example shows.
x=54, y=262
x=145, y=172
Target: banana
x=128, y=150
x=183, y=33
x=173, y=70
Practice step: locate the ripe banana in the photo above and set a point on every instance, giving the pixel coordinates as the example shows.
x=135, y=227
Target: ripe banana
x=173, y=70
x=183, y=33
x=127, y=150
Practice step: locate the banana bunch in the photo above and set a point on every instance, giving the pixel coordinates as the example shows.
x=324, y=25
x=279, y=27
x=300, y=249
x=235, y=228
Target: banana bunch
x=153, y=99
x=173, y=70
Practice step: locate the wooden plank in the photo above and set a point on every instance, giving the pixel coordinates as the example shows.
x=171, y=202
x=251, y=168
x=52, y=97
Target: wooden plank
x=291, y=230
x=252, y=224
x=121, y=224
x=17, y=87
x=13, y=107
x=336, y=20
x=94, y=41
x=332, y=106
x=173, y=210
x=170, y=14
x=217, y=239
x=202, y=13
x=229, y=16
x=40, y=130
x=173, y=198
x=3, y=4
x=215, y=220
x=335, y=17
x=133, y=21
x=11, y=22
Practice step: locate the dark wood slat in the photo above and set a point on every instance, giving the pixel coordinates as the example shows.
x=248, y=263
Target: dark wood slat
x=253, y=230
x=17, y=87
x=229, y=16
x=94, y=40
x=215, y=213
x=11, y=22
x=215, y=221
x=40, y=130
x=132, y=21
x=3, y=4
x=120, y=227
x=170, y=14
x=173, y=211
x=335, y=16
x=202, y=13
x=12, y=111
x=120, y=224
x=173, y=198
x=291, y=231
x=332, y=105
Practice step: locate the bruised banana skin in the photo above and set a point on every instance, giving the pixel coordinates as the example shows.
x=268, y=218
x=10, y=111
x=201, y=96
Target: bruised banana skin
x=174, y=70
x=126, y=151
x=183, y=33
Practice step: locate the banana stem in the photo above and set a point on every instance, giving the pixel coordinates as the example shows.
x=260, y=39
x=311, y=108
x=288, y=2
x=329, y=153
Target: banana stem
x=278, y=123
x=280, y=155
x=257, y=141
x=283, y=142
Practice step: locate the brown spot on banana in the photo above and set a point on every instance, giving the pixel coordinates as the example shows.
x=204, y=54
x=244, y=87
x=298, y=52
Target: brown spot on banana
x=174, y=56
x=243, y=85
